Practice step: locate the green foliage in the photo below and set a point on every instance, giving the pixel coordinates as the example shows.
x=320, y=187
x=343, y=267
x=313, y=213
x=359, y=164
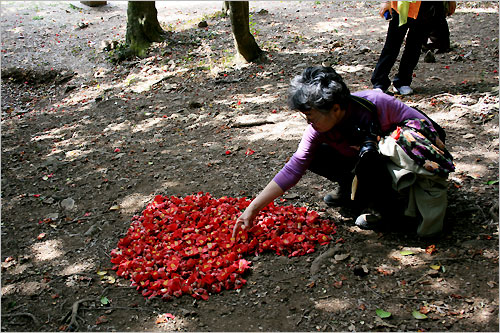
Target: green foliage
x=252, y=26
x=214, y=16
x=37, y=18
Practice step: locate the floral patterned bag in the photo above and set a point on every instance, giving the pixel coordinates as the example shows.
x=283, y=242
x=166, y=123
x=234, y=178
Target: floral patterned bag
x=421, y=142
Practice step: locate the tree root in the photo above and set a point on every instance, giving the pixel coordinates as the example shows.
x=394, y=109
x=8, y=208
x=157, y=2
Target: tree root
x=316, y=264
x=21, y=314
x=73, y=314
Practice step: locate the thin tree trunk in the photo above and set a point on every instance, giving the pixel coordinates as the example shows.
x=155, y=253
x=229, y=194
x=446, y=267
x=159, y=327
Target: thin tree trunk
x=244, y=41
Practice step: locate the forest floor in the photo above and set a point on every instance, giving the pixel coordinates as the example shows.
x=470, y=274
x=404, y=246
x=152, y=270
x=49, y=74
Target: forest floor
x=87, y=144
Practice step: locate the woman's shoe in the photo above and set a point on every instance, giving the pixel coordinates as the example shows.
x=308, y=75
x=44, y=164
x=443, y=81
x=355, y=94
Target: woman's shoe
x=338, y=196
x=403, y=90
x=369, y=219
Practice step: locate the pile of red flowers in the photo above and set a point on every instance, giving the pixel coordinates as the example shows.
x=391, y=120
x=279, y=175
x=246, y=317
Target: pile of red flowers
x=185, y=245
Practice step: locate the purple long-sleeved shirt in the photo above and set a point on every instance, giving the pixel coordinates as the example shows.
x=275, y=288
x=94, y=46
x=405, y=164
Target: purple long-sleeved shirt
x=390, y=110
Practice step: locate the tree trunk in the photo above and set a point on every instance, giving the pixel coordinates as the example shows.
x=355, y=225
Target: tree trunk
x=225, y=8
x=143, y=27
x=244, y=41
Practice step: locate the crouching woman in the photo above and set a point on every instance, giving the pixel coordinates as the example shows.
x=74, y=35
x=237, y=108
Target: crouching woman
x=376, y=148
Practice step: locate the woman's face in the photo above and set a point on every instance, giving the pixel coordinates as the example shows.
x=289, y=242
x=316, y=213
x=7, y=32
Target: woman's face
x=323, y=122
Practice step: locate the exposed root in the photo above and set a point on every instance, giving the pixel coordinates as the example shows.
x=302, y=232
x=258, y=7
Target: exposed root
x=73, y=314
x=316, y=264
x=21, y=314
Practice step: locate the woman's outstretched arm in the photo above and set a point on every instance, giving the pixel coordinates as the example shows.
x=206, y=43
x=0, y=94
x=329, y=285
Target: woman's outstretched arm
x=266, y=196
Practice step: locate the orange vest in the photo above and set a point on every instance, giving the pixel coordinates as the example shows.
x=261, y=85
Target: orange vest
x=412, y=12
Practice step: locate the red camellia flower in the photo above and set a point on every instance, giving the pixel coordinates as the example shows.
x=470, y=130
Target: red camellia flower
x=184, y=245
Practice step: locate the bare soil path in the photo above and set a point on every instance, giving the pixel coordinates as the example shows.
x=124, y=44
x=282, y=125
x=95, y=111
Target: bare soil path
x=87, y=144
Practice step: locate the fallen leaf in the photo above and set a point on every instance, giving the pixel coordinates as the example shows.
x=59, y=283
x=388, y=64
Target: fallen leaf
x=435, y=267
x=340, y=257
x=417, y=315
x=430, y=249
x=163, y=318
x=41, y=236
x=110, y=279
x=104, y=300
x=424, y=309
x=102, y=273
x=101, y=319
x=406, y=252
x=115, y=207
x=382, y=313
x=337, y=284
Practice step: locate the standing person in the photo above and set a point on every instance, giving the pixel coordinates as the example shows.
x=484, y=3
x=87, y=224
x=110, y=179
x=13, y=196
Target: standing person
x=440, y=35
x=415, y=20
x=341, y=143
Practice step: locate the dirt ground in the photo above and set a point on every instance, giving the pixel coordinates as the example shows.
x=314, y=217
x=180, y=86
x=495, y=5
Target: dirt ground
x=87, y=144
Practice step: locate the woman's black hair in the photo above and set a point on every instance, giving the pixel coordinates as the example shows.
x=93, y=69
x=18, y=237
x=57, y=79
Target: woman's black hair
x=318, y=88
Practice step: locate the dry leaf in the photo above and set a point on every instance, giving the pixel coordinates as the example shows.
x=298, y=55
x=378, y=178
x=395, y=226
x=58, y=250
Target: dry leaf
x=115, y=207
x=340, y=257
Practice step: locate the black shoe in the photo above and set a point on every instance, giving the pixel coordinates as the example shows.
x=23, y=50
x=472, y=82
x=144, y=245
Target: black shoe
x=340, y=195
x=369, y=219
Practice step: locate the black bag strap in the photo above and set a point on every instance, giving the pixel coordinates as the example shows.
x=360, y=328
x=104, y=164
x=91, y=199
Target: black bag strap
x=372, y=108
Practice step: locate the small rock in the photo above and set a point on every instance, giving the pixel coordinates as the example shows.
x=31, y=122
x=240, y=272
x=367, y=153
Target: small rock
x=363, y=49
x=469, y=136
x=82, y=25
x=195, y=104
x=53, y=216
x=433, y=273
x=91, y=230
x=68, y=204
x=49, y=201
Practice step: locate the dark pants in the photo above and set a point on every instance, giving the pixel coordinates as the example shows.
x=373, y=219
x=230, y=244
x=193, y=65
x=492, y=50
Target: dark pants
x=417, y=32
x=440, y=37
x=374, y=181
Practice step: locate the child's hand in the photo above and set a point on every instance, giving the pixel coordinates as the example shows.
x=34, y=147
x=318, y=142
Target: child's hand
x=384, y=6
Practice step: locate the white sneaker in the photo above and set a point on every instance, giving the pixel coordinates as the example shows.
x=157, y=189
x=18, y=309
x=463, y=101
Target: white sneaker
x=403, y=90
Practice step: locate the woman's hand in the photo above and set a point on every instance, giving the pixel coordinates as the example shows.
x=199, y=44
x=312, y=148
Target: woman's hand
x=268, y=194
x=244, y=222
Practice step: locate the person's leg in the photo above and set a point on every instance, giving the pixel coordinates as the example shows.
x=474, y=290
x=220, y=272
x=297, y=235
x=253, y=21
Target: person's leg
x=335, y=167
x=389, y=54
x=418, y=33
x=374, y=194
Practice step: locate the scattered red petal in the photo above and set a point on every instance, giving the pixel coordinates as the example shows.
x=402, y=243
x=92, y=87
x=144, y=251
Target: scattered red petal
x=430, y=249
x=249, y=152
